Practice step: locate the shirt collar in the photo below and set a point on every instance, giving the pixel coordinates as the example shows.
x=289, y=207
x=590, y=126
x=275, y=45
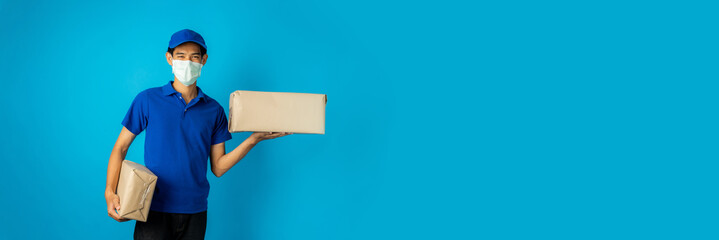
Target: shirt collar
x=169, y=90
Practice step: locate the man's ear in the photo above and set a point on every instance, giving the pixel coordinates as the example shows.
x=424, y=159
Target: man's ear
x=204, y=59
x=169, y=58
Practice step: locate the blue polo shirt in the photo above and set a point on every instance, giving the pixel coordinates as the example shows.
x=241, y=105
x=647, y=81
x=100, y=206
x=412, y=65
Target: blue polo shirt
x=178, y=138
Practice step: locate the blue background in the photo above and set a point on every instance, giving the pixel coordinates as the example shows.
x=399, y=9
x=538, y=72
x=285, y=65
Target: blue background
x=445, y=120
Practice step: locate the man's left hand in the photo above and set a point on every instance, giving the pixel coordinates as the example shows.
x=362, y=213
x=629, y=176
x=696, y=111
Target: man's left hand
x=261, y=136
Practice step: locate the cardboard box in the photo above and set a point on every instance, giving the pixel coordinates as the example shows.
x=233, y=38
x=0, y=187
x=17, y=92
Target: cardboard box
x=135, y=189
x=252, y=111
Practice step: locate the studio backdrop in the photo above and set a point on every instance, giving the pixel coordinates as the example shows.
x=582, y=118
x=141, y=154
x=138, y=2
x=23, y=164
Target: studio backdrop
x=444, y=120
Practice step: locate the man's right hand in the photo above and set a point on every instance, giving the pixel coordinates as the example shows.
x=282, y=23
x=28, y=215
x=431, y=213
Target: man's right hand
x=113, y=172
x=113, y=204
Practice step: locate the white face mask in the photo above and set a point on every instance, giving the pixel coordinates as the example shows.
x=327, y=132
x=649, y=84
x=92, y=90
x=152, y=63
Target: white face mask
x=186, y=72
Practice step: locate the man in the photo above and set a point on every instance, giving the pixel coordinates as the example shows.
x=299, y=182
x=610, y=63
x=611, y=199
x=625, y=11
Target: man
x=183, y=128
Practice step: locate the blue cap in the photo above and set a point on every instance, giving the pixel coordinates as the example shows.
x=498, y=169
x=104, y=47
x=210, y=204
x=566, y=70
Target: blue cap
x=186, y=35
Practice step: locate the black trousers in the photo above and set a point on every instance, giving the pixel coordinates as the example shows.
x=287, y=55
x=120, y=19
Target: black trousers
x=162, y=225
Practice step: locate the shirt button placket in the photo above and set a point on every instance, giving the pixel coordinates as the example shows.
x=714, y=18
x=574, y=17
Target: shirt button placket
x=184, y=106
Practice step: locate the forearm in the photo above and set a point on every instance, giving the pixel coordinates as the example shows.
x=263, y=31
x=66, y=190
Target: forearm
x=113, y=169
x=229, y=160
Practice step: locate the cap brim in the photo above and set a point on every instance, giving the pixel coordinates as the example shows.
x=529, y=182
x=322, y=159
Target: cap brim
x=199, y=43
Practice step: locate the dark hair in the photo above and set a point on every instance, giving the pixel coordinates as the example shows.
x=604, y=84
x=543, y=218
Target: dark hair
x=203, y=51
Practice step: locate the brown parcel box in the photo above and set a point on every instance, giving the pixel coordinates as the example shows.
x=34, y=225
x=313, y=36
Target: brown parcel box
x=135, y=189
x=252, y=111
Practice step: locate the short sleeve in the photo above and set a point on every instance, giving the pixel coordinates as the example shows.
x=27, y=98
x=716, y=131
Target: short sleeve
x=221, y=133
x=136, y=117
